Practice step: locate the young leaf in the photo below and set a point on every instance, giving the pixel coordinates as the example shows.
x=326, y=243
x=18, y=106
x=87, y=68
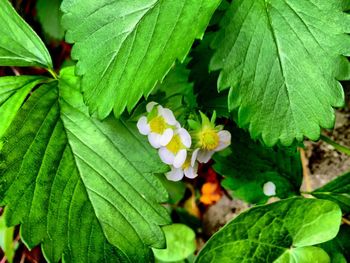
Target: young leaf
x=13, y=92
x=181, y=243
x=7, y=244
x=339, y=247
x=134, y=45
x=251, y=164
x=19, y=44
x=337, y=191
x=82, y=187
x=281, y=60
x=50, y=15
x=272, y=233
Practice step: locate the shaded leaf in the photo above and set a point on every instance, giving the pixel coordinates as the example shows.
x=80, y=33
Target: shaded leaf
x=142, y=40
x=19, y=44
x=250, y=165
x=205, y=82
x=337, y=191
x=50, y=15
x=281, y=60
x=268, y=233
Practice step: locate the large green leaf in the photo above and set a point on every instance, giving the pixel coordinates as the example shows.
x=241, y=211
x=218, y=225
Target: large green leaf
x=13, y=92
x=251, y=164
x=19, y=44
x=272, y=233
x=281, y=60
x=82, y=187
x=134, y=44
x=337, y=191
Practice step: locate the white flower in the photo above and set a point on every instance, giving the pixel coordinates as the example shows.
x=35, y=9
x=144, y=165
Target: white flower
x=189, y=169
x=175, y=152
x=211, y=141
x=159, y=125
x=269, y=189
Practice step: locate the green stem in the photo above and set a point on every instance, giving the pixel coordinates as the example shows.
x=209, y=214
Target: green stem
x=53, y=73
x=336, y=146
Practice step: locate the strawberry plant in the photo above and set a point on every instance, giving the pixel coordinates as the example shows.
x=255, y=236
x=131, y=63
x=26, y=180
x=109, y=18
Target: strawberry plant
x=123, y=122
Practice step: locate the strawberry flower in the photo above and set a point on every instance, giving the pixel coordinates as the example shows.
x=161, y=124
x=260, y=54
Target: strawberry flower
x=209, y=138
x=175, y=152
x=158, y=125
x=189, y=169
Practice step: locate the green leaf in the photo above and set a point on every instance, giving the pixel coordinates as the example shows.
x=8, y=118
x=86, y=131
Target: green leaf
x=176, y=190
x=13, y=92
x=176, y=93
x=304, y=255
x=205, y=82
x=50, y=15
x=19, y=44
x=140, y=42
x=84, y=188
x=181, y=243
x=269, y=233
x=281, y=60
x=7, y=244
x=337, y=191
x=282, y=166
x=339, y=247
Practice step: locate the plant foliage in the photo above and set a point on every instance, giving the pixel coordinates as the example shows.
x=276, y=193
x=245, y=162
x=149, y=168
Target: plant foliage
x=276, y=233
x=72, y=177
x=88, y=187
x=281, y=60
x=152, y=35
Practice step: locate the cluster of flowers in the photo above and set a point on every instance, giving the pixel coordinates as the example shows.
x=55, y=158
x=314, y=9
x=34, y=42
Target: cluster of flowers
x=177, y=147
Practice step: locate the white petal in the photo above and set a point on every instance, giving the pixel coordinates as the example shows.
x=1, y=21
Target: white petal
x=175, y=174
x=149, y=106
x=166, y=137
x=269, y=189
x=143, y=126
x=180, y=158
x=168, y=116
x=154, y=140
x=194, y=156
x=204, y=156
x=166, y=156
x=191, y=172
x=185, y=137
x=225, y=140
x=177, y=125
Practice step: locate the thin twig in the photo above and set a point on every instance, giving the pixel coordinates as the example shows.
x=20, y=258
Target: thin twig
x=346, y=221
x=306, y=176
x=15, y=71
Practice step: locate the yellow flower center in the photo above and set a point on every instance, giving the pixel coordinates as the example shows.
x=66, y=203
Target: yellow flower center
x=209, y=139
x=158, y=125
x=187, y=163
x=175, y=145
